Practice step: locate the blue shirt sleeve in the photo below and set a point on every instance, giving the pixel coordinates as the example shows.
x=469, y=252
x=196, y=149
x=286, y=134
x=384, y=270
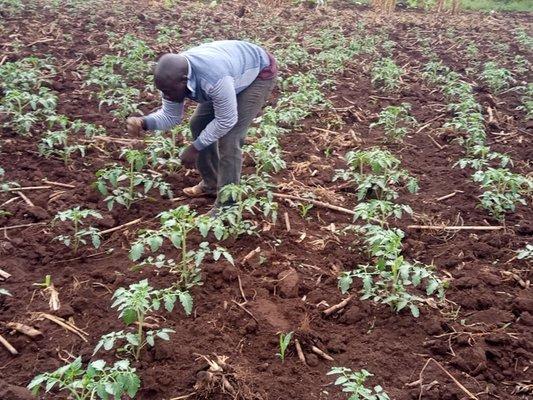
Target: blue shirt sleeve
x=168, y=116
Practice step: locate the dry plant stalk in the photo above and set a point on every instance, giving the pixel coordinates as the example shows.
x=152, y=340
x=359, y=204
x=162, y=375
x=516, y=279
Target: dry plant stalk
x=24, y=329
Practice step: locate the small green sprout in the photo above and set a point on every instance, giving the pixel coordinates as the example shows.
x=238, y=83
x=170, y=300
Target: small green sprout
x=284, y=341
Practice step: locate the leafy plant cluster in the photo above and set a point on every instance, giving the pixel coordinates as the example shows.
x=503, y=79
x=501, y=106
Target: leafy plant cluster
x=76, y=217
x=377, y=174
x=97, y=380
x=135, y=304
x=502, y=189
x=497, y=78
x=338, y=49
x=395, y=121
x=26, y=99
x=386, y=74
x=59, y=142
x=164, y=151
x=116, y=73
x=390, y=278
x=128, y=185
x=527, y=101
x=353, y=382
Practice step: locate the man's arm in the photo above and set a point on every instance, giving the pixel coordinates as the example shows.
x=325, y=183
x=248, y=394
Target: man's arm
x=168, y=116
x=226, y=115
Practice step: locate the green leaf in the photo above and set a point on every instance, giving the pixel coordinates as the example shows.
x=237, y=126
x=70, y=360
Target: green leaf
x=186, y=301
x=136, y=251
x=414, y=310
x=129, y=316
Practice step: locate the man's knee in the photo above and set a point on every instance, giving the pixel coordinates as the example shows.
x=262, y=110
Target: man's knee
x=230, y=145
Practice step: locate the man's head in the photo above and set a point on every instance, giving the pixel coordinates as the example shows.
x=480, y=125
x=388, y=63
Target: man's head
x=170, y=76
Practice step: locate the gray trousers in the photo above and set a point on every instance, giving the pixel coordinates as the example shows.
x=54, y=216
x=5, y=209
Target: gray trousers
x=220, y=163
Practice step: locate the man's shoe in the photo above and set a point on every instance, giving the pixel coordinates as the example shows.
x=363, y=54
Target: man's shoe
x=198, y=191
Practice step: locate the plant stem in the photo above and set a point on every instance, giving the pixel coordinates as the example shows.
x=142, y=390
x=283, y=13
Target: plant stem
x=140, y=320
x=76, y=238
x=130, y=199
x=184, y=269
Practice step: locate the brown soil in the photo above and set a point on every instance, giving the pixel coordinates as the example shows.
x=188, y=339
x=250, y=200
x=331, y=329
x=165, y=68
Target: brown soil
x=482, y=336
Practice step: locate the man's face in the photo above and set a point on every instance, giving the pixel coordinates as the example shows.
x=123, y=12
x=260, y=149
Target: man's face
x=175, y=92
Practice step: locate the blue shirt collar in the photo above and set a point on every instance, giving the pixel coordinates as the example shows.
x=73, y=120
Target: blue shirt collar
x=191, y=82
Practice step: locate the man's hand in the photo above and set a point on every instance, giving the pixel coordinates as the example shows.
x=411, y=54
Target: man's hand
x=189, y=156
x=134, y=125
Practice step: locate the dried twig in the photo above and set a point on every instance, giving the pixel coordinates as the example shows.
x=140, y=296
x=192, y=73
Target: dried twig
x=63, y=185
x=116, y=228
x=25, y=329
x=321, y=353
x=251, y=254
x=301, y=355
x=46, y=40
x=457, y=228
x=64, y=324
x=314, y=202
x=4, y=275
x=246, y=310
x=435, y=142
x=26, y=199
x=27, y=188
x=287, y=221
x=7, y=228
x=337, y=307
x=420, y=380
x=241, y=289
x=449, y=195
x=8, y=346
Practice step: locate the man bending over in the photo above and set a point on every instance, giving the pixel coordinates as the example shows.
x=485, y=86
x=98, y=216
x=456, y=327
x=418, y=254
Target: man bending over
x=231, y=80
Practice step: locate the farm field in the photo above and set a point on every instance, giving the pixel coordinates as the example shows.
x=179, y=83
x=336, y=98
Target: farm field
x=384, y=221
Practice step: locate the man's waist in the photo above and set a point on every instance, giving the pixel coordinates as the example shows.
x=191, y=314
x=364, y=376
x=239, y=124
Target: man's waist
x=270, y=71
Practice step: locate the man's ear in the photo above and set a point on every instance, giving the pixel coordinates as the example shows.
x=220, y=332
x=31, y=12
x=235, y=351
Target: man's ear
x=183, y=78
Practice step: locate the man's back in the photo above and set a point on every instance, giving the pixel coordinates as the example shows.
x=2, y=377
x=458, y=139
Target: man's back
x=214, y=61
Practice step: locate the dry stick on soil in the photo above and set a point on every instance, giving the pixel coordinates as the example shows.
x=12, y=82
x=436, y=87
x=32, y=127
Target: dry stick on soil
x=81, y=257
x=435, y=142
x=109, y=139
x=65, y=324
x=40, y=41
x=4, y=275
x=116, y=228
x=63, y=185
x=24, y=329
x=449, y=195
x=5, y=203
x=241, y=289
x=246, y=310
x=301, y=355
x=337, y=307
x=287, y=222
x=314, y=202
x=321, y=353
x=8, y=346
x=27, y=188
x=25, y=198
x=252, y=253
x=457, y=228
x=7, y=228
x=420, y=380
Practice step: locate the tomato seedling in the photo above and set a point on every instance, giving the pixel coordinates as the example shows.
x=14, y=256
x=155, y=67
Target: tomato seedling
x=76, y=216
x=97, y=381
